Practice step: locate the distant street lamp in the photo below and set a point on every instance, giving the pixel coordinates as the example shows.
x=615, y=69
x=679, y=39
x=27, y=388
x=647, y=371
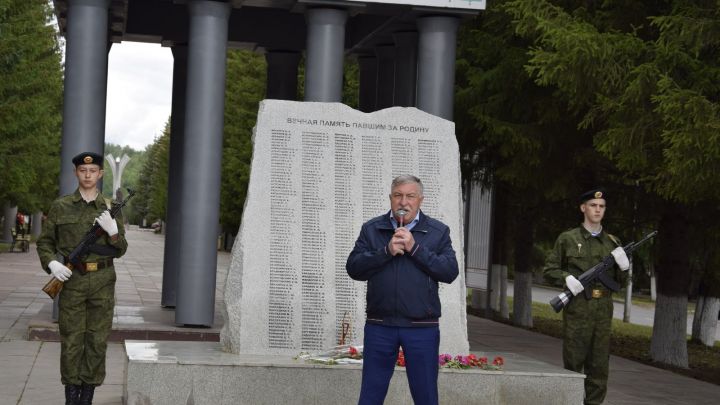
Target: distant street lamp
x=117, y=165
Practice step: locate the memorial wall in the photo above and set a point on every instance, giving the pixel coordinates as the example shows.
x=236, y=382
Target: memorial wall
x=319, y=171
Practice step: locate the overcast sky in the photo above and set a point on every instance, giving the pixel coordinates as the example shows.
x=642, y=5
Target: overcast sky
x=139, y=93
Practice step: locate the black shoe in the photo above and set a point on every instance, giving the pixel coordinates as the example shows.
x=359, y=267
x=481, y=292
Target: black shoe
x=86, y=394
x=72, y=394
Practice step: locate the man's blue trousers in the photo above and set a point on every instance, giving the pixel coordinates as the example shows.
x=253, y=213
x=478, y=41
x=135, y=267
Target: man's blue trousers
x=420, y=348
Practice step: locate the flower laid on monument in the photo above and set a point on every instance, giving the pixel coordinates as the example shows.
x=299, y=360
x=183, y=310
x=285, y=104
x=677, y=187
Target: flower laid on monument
x=401, y=359
x=470, y=361
x=343, y=354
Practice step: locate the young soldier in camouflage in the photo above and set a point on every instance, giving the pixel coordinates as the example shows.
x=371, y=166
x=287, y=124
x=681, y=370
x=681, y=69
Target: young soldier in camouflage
x=587, y=321
x=86, y=301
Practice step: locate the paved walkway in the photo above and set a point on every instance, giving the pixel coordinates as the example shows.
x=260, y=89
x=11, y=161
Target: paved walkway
x=639, y=314
x=29, y=370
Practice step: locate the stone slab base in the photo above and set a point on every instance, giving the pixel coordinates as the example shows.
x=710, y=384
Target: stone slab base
x=173, y=373
x=129, y=323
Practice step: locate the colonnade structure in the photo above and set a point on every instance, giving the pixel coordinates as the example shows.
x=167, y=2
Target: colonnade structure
x=406, y=53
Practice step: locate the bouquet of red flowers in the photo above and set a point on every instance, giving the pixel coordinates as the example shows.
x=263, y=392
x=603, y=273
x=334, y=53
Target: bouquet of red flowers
x=470, y=361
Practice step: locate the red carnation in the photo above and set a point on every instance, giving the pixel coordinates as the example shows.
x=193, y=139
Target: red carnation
x=401, y=359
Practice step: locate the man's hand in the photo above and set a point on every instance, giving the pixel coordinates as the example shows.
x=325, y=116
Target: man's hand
x=574, y=285
x=59, y=271
x=107, y=223
x=621, y=258
x=395, y=247
x=403, y=235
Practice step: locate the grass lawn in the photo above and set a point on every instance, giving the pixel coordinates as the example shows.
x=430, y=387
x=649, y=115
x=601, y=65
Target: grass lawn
x=633, y=342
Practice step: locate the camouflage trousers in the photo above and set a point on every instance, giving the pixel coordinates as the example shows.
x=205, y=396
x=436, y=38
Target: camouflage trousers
x=586, y=343
x=85, y=321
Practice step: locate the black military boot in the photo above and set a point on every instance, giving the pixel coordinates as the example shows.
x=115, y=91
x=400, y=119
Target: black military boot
x=86, y=394
x=72, y=394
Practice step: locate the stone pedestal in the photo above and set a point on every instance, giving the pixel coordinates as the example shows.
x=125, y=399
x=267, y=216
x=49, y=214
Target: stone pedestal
x=171, y=373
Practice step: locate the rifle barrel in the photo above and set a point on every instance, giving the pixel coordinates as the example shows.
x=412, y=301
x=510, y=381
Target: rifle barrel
x=564, y=298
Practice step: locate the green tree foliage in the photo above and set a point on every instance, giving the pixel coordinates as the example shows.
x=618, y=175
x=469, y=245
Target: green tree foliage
x=244, y=88
x=30, y=104
x=351, y=83
x=644, y=78
x=151, y=199
x=516, y=136
x=653, y=101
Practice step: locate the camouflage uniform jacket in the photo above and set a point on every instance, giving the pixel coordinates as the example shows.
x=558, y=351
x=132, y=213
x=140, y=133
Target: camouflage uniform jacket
x=68, y=220
x=576, y=251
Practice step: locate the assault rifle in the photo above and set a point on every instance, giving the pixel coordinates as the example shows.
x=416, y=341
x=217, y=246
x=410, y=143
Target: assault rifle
x=598, y=272
x=74, y=259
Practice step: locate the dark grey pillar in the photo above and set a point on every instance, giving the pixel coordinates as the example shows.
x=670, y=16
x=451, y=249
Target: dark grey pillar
x=175, y=166
x=36, y=224
x=385, y=76
x=85, y=88
x=202, y=153
x=86, y=59
x=282, y=74
x=9, y=214
x=405, y=68
x=436, y=65
x=368, y=83
x=324, y=54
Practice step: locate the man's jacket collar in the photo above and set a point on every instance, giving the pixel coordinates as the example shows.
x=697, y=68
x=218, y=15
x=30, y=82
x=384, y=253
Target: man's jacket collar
x=587, y=235
x=421, y=226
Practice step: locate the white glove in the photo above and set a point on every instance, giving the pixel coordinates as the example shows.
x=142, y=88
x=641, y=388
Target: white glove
x=621, y=258
x=574, y=285
x=59, y=271
x=107, y=223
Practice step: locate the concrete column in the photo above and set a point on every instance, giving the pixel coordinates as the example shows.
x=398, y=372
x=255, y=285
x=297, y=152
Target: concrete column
x=324, y=54
x=175, y=166
x=282, y=74
x=86, y=59
x=36, y=224
x=385, y=76
x=9, y=214
x=436, y=65
x=368, y=83
x=405, y=68
x=202, y=153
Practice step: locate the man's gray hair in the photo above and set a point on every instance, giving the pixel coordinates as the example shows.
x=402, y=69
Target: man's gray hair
x=405, y=179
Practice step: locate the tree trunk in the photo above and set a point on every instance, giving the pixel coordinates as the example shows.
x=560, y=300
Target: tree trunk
x=669, y=336
x=705, y=320
x=504, y=311
x=522, y=300
x=697, y=316
x=653, y=284
x=522, y=288
x=499, y=242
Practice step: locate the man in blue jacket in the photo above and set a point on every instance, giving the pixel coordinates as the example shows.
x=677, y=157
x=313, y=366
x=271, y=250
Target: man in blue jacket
x=403, y=255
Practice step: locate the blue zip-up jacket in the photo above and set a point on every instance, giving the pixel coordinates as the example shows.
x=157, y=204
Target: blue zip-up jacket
x=403, y=290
